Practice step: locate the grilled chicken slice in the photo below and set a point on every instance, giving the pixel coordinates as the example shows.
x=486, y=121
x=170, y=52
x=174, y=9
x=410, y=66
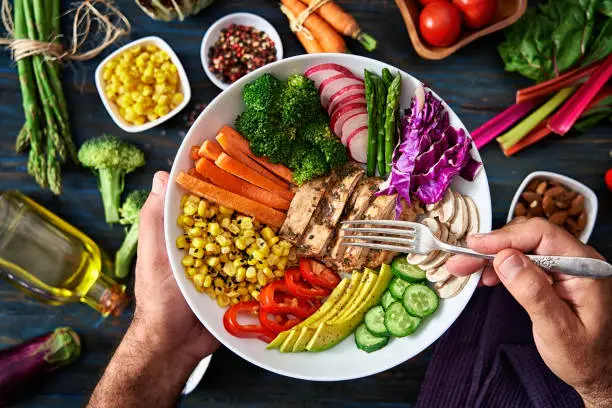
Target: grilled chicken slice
x=302, y=208
x=381, y=208
x=355, y=208
x=325, y=219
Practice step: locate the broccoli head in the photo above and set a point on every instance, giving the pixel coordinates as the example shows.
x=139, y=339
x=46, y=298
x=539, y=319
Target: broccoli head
x=299, y=102
x=266, y=134
x=130, y=215
x=263, y=93
x=111, y=159
x=311, y=164
x=321, y=136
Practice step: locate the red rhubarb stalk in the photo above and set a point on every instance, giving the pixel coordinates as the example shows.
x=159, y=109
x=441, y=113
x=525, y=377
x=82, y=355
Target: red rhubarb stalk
x=562, y=121
x=494, y=127
x=546, y=88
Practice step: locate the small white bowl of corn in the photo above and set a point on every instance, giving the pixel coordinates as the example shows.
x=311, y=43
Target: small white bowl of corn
x=142, y=84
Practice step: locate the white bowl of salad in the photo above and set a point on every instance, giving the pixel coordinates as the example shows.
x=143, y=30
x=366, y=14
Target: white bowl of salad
x=252, y=222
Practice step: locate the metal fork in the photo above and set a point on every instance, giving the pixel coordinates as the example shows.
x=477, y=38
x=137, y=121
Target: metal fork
x=415, y=238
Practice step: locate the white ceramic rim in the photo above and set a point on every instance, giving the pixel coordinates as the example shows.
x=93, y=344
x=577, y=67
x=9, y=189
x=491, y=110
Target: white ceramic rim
x=112, y=109
x=169, y=220
x=590, y=202
x=261, y=24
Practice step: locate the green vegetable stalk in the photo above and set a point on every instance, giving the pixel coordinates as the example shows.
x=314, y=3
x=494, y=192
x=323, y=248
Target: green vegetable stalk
x=394, y=94
x=130, y=215
x=381, y=100
x=387, y=77
x=370, y=91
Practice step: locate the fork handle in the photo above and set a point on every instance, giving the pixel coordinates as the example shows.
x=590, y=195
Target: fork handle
x=586, y=267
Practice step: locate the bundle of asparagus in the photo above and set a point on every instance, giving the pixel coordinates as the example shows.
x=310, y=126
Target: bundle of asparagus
x=46, y=130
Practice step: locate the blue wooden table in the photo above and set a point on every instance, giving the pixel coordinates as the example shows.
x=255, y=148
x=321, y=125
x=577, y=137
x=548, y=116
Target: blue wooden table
x=472, y=81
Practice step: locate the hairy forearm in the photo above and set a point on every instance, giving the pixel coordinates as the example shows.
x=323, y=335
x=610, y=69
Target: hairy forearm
x=138, y=376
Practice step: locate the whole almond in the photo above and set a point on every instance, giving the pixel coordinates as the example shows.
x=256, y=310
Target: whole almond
x=562, y=202
x=533, y=184
x=548, y=205
x=555, y=192
x=535, y=208
x=577, y=205
x=571, y=226
x=520, y=210
x=582, y=220
x=571, y=195
x=541, y=188
x=558, y=218
x=530, y=196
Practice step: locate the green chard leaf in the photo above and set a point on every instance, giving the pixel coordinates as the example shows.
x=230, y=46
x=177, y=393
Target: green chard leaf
x=602, y=46
x=605, y=8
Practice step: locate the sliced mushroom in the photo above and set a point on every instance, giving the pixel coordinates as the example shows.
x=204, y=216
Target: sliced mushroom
x=473, y=217
x=451, y=287
x=459, y=224
x=436, y=262
x=435, y=227
x=445, y=209
x=439, y=274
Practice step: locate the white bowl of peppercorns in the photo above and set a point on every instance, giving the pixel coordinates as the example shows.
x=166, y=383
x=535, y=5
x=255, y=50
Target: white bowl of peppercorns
x=236, y=45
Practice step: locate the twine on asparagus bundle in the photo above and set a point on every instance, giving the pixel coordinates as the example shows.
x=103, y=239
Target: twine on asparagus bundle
x=111, y=23
x=296, y=23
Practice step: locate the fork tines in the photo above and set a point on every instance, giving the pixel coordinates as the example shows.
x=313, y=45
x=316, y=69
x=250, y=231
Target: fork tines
x=361, y=236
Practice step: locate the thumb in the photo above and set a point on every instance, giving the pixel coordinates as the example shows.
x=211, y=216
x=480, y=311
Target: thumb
x=533, y=290
x=151, y=230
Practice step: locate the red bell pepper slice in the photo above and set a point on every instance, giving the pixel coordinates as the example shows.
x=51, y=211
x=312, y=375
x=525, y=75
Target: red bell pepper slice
x=277, y=322
x=233, y=327
x=276, y=298
x=302, y=289
x=317, y=274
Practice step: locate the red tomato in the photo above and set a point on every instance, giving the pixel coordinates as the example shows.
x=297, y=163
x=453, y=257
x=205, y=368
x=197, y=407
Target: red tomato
x=317, y=274
x=302, y=289
x=476, y=13
x=440, y=24
x=233, y=327
x=426, y=2
x=609, y=179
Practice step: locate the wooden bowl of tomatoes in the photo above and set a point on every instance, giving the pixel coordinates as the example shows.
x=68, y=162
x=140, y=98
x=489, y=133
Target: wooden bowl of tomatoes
x=438, y=28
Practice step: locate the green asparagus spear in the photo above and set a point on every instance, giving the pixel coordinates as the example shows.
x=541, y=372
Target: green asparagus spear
x=370, y=90
x=381, y=100
x=387, y=77
x=394, y=94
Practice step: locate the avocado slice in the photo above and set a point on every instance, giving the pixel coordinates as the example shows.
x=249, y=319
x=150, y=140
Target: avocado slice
x=328, y=335
x=310, y=327
x=359, y=296
x=333, y=298
x=287, y=345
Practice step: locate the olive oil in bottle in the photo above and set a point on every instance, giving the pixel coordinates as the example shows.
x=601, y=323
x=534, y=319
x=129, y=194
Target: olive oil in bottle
x=51, y=260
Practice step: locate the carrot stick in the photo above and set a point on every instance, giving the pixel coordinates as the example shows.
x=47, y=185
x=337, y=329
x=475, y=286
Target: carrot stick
x=193, y=152
x=228, y=199
x=310, y=44
x=241, y=170
x=194, y=173
x=245, y=159
x=210, y=149
x=237, y=139
x=222, y=178
x=343, y=22
x=323, y=32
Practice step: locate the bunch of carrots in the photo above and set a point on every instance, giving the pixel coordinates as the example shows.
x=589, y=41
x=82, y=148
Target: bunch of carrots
x=580, y=98
x=325, y=26
x=228, y=173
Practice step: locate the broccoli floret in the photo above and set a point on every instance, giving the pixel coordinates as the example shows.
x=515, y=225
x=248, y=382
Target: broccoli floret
x=267, y=136
x=130, y=215
x=311, y=164
x=321, y=136
x=299, y=102
x=263, y=93
x=111, y=159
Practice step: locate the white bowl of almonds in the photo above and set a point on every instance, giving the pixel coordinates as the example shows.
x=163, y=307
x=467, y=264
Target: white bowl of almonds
x=142, y=84
x=562, y=200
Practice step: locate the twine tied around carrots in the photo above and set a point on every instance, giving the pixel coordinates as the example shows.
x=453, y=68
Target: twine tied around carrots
x=296, y=23
x=87, y=14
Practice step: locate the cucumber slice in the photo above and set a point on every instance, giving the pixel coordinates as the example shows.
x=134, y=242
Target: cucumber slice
x=375, y=321
x=386, y=300
x=397, y=287
x=399, y=322
x=366, y=341
x=410, y=273
x=419, y=300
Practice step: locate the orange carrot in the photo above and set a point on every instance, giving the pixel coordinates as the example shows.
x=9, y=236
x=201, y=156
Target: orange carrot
x=228, y=199
x=194, y=173
x=245, y=159
x=236, y=138
x=329, y=39
x=343, y=22
x=210, y=149
x=241, y=170
x=311, y=45
x=222, y=178
x=193, y=153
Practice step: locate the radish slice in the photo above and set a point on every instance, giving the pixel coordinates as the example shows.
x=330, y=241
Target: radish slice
x=333, y=84
x=344, y=113
x=358, y=146
x=337, y=98
x=355, y=133
x=354, y=98
x=320, y=72
x=352, y=124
